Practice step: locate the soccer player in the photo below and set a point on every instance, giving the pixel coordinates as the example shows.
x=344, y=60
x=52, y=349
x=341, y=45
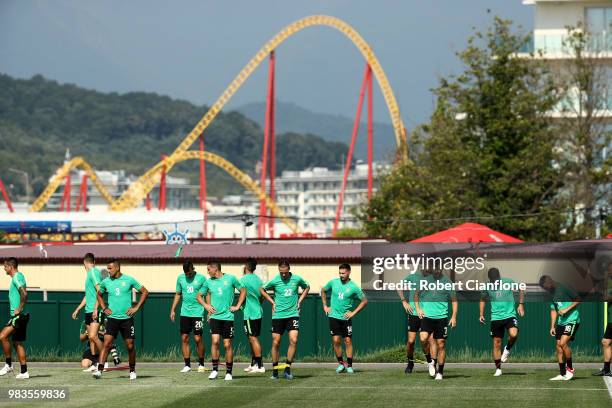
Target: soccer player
x=503, y=317
x=221, y=288
x=119, y=313
x=188, y=284
x=285, y=313
x=414, y=322
x=18, y=323
x=564, y=323
x=92, y=285
x=432, y=307
x=253, y=314
x=90, y=361
x=606, y=345
x=343, y=292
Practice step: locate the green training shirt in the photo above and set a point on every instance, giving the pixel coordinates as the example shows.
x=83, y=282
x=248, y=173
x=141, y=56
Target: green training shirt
x=252, y=305
x=221, y=295
x=119, y=294
x=502, y=302
x=17, y=281
x=434, y=303
x=93, y=278
x=286, y=295
x=342, y=295
x=415, y=278
x=562, y=298
x=189, y=288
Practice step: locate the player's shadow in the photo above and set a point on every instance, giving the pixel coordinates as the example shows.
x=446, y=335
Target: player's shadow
x=40, y=376
x=505, y=374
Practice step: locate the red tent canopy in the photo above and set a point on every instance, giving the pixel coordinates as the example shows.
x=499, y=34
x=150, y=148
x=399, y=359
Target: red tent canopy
x=468, y=232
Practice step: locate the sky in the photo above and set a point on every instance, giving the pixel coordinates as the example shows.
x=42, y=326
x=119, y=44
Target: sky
x=192, y=49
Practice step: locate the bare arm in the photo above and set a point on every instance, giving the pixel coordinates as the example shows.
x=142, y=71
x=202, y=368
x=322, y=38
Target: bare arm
x=303, y=296
x=206, y=303
x=481, y=308
x=417, y=304
x=453, y=319
x=521, y=307
x=144, y=293
x=106, y=310
x=324, y=301
x=23, y=297
x=240, y=300
x=553, y=320
x=175, y=301
x=359, y=308
x=81, y=305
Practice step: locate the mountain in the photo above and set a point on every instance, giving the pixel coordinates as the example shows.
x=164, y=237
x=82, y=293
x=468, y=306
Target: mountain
x=290, y=117
x=40, y=119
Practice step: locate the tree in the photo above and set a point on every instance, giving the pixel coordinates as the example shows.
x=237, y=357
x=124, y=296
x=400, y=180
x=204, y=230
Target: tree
x=586, y=85
x=487, y=153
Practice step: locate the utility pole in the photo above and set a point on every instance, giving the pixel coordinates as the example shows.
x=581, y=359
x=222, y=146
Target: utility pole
x=246, y=222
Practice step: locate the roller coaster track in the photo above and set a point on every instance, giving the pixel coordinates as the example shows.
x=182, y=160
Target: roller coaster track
x=137, y=191
x=244, y=179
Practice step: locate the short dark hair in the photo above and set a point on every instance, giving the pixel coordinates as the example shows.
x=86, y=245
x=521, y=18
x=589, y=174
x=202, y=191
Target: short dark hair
x=115, y=261
x=543, y=279
x=89, y=257
x=284, y=262
x=345, y=266
x=12, y=261
x=251, y=264
x=188, y=266
x=216, y=264
x=493, y=274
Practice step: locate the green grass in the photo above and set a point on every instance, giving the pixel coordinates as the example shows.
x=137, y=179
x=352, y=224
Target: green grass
x=395, y=354
x=161, y=387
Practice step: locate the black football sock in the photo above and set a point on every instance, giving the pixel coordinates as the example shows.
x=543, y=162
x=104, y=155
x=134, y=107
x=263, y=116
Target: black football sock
x=435, y=361
x=275, y=369
x=349, y=361
x=215, y=364
x=441, y=368
x=498, y=363
x=252, y=360
x=201, y=361
x=100, y=366
x=187, y=362
x=340, y=360
x=428, y=357
x=229, y=366
x=562, y=369
x=24, y=368
x=258, y=362
x=132, y=367
x=606, y=367
x=287, y=367
x=9, y=361
x=569, y=363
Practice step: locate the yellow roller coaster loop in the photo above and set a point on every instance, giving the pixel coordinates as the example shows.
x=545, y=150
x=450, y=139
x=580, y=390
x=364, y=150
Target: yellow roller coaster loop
x=59, y=177
x=136, y=192
x=244, y=179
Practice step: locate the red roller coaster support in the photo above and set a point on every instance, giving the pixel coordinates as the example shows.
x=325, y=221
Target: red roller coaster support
x=162, y=187
x=261, y=225
x=66, y=201
x=203, y=187
x=7, y=200
x=370, y=133
x=271, y=220
x=148, y=202
x=366, y=77
x=82, y=197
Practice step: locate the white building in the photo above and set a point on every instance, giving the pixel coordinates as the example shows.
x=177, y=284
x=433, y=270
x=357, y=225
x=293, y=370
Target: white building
x=312, y=195
x=552, y=18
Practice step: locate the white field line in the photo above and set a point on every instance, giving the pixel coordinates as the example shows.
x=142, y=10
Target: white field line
x=608, y=381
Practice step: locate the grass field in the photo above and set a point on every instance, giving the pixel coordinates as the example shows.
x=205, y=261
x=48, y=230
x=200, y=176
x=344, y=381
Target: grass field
x=462, y=387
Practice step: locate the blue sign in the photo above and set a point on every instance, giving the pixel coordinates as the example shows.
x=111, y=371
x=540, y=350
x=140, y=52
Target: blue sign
x=36, y=227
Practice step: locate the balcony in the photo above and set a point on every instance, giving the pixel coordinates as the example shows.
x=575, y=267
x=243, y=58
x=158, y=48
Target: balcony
x=553, y=45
